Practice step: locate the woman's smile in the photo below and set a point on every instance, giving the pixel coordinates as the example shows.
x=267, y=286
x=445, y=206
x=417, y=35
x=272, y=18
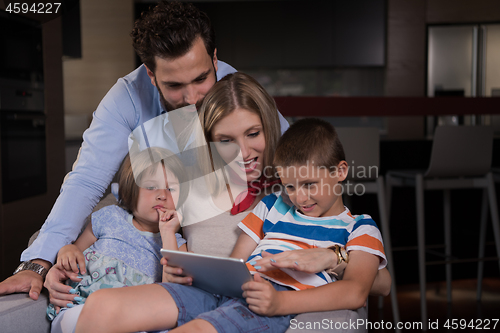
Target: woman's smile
x=249, y=165
x=241, y=128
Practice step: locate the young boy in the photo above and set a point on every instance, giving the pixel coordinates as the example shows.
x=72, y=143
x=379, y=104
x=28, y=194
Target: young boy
x=311, y=164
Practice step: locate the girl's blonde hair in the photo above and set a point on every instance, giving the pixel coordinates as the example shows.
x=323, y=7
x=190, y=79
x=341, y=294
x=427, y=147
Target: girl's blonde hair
x=235, y=91
x=137, y=164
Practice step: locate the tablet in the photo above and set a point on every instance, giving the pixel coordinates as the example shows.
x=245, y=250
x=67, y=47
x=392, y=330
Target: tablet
x=216, y=275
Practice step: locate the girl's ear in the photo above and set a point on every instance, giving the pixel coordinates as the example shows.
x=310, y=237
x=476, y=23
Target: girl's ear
x=342, y=170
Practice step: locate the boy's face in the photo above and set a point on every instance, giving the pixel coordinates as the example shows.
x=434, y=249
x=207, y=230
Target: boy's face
x=315, y=191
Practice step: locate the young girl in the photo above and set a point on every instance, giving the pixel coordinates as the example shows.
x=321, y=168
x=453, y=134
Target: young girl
x=121, y=245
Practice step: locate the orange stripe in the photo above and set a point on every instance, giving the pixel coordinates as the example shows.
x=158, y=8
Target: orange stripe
x=251, y=268
x=255, y=224
x=281, y=276
x=367, y=241
x=299, y=244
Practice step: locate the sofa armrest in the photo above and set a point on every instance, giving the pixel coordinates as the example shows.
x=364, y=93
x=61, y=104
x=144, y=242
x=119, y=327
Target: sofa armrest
x=19, y=313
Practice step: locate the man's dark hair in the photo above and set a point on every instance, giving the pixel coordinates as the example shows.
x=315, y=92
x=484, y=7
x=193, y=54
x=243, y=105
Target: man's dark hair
x=169, y=30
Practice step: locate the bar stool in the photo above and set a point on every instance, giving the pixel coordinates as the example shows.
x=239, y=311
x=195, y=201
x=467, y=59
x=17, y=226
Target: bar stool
x=461, y=159
x=482, y=235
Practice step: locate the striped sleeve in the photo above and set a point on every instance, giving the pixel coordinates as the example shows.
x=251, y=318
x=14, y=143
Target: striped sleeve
x=253, y=223
x=252, y=226
x=366, y=237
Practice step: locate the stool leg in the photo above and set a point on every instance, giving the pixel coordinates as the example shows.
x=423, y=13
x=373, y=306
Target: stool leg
x=482, y=243
x=388, y=195
x=386, y=234
x=447, y=241
x=419, y=189
x=494, y=212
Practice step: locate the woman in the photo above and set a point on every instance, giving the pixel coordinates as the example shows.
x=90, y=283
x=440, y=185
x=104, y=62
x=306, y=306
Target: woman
x=237, y=111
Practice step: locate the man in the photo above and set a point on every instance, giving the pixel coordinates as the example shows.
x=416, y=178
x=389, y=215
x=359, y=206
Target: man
x=176, y=43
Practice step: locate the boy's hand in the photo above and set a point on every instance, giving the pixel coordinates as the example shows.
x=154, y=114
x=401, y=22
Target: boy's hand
x=261, y=296
x=70, y=258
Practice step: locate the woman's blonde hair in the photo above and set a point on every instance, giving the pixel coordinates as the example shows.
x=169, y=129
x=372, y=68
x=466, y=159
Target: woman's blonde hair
x=235, y=91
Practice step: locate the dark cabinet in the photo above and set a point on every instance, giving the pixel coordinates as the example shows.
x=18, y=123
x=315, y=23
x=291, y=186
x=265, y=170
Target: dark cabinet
x=39, y=127
x=299, y=34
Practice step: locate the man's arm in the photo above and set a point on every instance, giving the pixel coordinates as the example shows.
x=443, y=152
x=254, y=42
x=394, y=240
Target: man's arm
x=25, y=282
x=103, y=149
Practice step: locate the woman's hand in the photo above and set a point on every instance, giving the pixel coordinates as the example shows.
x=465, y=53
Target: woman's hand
x=60, y=294
x=174, y=274
x=71, y=258
x=261, y=296
x=307, y=260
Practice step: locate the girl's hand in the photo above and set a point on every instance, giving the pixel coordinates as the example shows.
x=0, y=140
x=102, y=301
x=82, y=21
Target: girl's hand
x=261, y=296
x=174, y=274
x=307, y=260
x=59, y=293
x=169, y=220
x=70, y=258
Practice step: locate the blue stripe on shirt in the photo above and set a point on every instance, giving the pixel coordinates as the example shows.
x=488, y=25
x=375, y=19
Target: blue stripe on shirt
x=364, y=222
x=269, y=200
x=313, y=232
x=317, y=221
x=281, y=207
x=272, y=251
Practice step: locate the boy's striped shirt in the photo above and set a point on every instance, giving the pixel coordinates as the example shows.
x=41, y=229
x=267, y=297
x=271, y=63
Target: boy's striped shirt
x=277, y=226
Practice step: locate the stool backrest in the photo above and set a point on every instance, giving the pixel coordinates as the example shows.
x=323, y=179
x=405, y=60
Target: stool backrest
x=362, y=151
x=460, y=151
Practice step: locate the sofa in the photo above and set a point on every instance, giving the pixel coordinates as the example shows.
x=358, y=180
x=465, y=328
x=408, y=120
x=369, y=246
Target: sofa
x=19, y=313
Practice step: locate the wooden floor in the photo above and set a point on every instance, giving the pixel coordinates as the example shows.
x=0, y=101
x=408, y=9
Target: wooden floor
x=462, y=309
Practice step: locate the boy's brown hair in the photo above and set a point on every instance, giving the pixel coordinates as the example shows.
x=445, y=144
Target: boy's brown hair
x=309, y=140
x=146, y=162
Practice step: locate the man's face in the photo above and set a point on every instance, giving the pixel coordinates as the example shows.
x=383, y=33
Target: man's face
x=187, y=79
